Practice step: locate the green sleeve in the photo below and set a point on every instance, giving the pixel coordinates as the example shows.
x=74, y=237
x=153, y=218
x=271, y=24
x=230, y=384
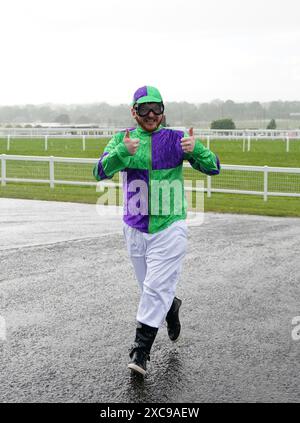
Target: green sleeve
x=115, y=158
x=203, y=160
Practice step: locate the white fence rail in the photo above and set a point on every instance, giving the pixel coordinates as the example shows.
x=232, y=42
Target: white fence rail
x=45, y=138
x=250, y=180
x=246, y=136
x=58, y=130
x=108, y=131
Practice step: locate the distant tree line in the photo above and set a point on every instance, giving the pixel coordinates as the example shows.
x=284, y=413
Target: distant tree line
x=229, y=124
x=177, y=113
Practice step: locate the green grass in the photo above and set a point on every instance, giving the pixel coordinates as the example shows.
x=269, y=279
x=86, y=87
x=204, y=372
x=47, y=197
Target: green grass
x=224, y=203
x=271, y=153
x=56, y=147
x=264, y=152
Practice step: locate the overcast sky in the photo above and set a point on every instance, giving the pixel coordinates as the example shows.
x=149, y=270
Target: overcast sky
x=72, y=51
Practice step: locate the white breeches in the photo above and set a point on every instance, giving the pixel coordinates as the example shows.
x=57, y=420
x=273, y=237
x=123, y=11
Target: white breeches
x=157, y=260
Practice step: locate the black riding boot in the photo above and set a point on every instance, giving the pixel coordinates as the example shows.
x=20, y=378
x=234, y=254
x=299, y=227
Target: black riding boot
x=172, y=318
x=140, y=352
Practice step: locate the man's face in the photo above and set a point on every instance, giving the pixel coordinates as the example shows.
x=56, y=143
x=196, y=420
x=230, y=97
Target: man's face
x=150, y=122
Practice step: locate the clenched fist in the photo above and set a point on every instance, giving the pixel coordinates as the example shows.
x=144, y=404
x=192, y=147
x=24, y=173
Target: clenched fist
x=188, y=143
x=131, y=144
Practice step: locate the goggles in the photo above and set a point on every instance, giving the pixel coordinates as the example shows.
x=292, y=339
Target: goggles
x=143, y=109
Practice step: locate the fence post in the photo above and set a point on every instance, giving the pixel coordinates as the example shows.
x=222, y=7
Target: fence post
x=51, y=168
x=266, y=183
x=287, y=144
x=8, y=143
x=208, y=141
x=46, y=142
x=3, y=170
x=208, y=186
x=244, y=144
x=83, y=142
x=249, y=142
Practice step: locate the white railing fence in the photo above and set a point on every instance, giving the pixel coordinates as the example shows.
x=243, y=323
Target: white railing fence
x=46, y=138
x=245, y=137
x=58, y=130
x=250, y=180
x=108, y=131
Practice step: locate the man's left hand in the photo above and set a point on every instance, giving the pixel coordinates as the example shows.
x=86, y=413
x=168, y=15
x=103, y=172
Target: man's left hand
x=188, y=143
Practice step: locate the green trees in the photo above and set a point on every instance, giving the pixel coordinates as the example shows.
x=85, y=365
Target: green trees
x=222, y=124
x=249, y=115
x=272, y=124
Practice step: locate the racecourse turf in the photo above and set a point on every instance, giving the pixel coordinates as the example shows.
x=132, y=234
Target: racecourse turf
x=263, y=152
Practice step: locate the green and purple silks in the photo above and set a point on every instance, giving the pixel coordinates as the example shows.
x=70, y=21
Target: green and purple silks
x=156, y=166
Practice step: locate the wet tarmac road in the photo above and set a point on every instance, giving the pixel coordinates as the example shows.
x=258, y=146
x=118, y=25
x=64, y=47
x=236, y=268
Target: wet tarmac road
x=69, y=298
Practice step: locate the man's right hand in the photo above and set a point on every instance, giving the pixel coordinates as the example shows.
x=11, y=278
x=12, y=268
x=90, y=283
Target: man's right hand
x=131, y=144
